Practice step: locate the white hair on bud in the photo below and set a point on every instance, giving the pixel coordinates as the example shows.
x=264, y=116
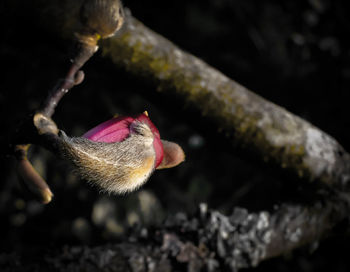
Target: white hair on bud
x=118, y=167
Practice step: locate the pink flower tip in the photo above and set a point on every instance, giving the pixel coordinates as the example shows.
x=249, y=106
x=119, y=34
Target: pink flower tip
x=118, y=128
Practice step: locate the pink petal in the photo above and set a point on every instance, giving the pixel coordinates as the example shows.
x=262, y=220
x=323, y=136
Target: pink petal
x=118, y=128
x=111, y=131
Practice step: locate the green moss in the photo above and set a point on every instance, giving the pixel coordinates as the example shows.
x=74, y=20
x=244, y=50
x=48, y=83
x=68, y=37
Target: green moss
x=220, y=105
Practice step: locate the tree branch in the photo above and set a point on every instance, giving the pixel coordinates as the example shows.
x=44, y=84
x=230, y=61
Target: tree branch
x=252, y=123
x=206, y=241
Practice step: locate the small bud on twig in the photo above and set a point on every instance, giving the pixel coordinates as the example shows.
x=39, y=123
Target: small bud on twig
x=44, y=124
x=100, y=19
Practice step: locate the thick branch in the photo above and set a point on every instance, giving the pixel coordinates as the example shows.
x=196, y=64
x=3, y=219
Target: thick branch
x=252, y=123
x=207, y=241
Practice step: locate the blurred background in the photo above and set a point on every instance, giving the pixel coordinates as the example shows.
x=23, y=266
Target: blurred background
x=292, y=52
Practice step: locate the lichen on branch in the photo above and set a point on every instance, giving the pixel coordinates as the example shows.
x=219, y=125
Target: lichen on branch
x=252, y=122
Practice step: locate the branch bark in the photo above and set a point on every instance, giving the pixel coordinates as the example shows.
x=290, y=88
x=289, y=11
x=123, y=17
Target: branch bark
x=251, y=122
x=206, y=241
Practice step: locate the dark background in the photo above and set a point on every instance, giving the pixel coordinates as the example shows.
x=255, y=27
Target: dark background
x=294, y=53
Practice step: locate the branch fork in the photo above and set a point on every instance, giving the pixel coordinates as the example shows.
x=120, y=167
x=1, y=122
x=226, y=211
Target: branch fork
x=99, y=19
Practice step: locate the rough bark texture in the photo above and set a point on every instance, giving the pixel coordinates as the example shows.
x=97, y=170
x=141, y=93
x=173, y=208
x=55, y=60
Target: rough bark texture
x=251, y=122
x=206, y=241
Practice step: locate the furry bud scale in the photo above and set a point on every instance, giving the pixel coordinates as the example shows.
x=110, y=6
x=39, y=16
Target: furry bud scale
x=117, y=167
x=120, y=154
x=119, y=128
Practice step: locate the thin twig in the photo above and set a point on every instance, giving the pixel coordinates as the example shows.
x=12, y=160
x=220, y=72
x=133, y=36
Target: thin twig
x=101, y=19
x=73, y=77
x=46, y=126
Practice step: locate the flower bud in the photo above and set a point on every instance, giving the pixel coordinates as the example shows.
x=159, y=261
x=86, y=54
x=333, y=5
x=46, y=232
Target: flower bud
x=102, y=17
x=118, y=155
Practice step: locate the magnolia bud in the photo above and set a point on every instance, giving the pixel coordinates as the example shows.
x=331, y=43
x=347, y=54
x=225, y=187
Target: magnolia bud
x=102, y=17
x=119, y=155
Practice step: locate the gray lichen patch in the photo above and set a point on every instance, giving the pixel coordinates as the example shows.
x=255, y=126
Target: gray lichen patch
x=241, y=238
x=320, y=152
